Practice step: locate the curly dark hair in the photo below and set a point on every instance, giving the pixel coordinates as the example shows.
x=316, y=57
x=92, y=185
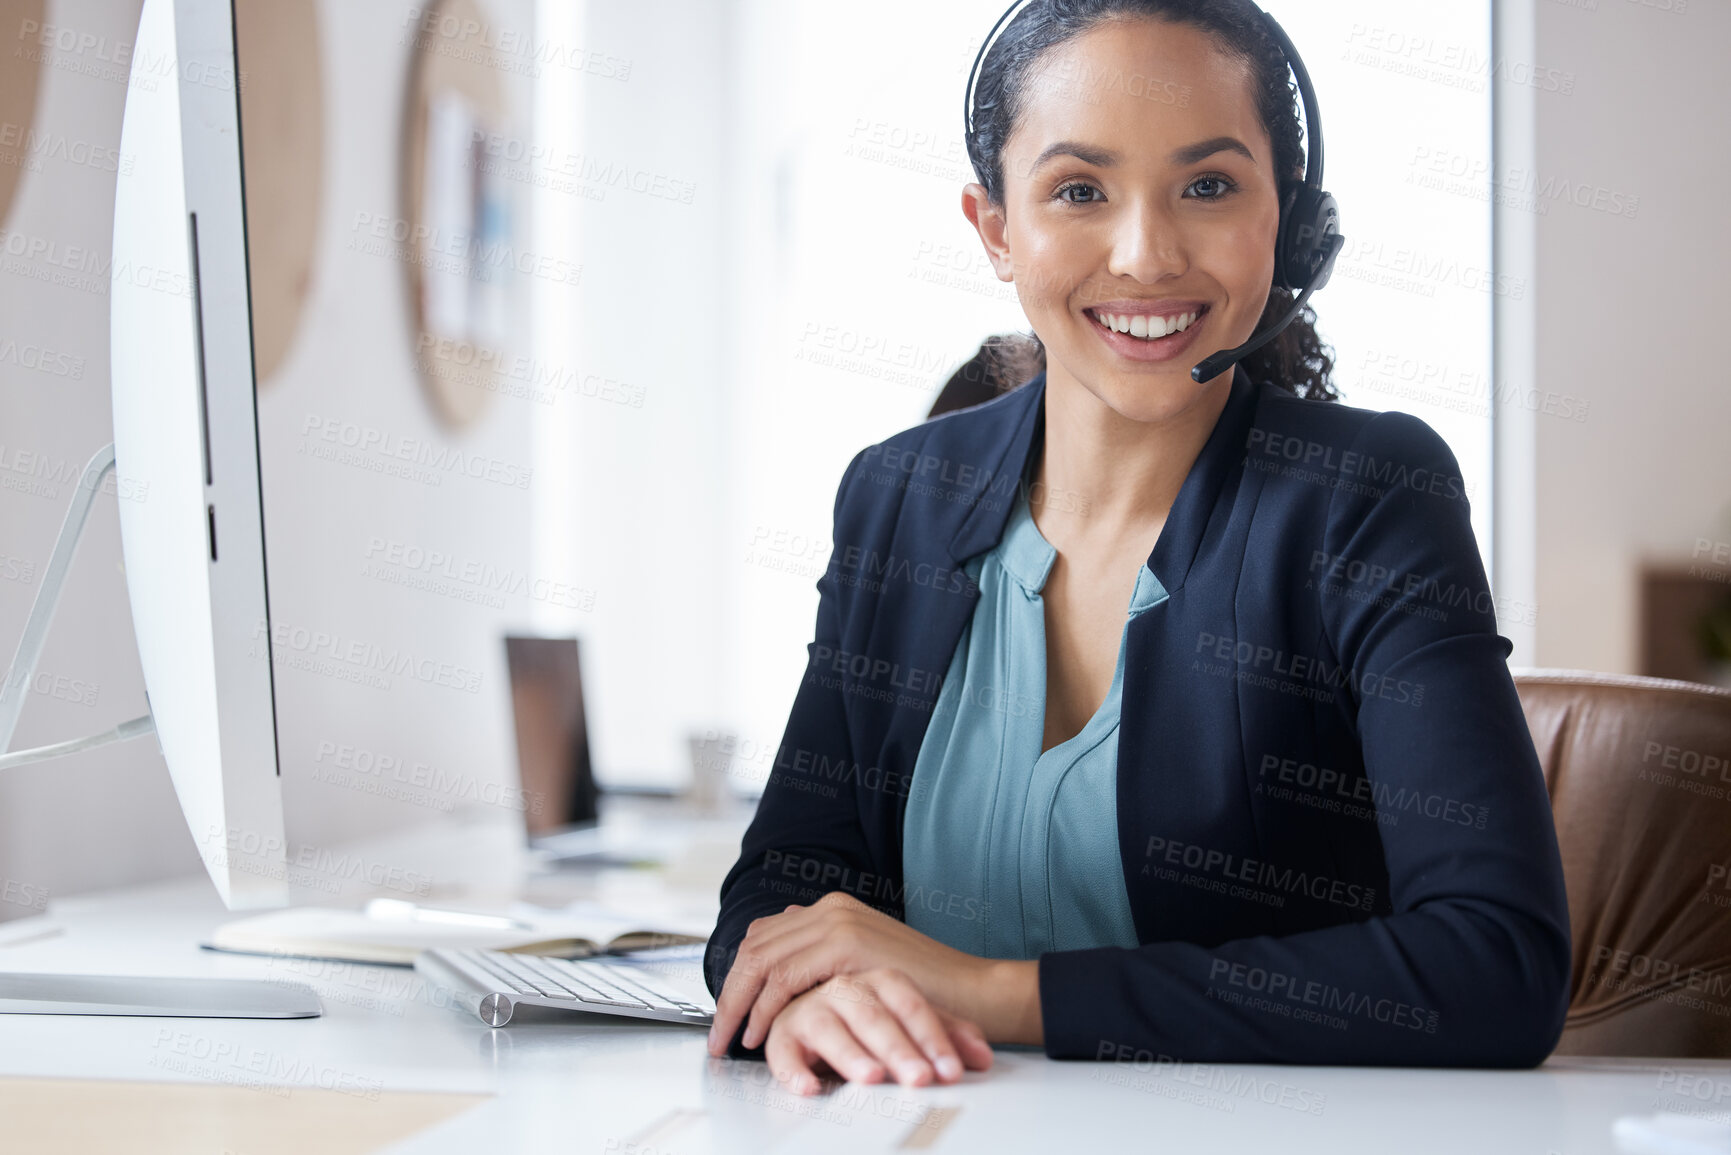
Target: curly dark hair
x=1297, y=359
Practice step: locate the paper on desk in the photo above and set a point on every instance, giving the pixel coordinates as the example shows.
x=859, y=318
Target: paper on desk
x=352, y=936
x=224, y=1108
x=1669, y=1133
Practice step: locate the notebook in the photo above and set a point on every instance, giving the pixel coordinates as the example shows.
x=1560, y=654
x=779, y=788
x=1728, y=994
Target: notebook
x=385, y=933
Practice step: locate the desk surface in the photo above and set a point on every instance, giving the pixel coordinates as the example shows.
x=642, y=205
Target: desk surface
x=588, y=1084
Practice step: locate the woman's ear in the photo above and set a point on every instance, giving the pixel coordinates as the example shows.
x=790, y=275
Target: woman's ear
x=989, y=221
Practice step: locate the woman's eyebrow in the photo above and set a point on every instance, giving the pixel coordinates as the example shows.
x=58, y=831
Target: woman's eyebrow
x=1106, y=158
x=1086, y=153
x=1191, y=153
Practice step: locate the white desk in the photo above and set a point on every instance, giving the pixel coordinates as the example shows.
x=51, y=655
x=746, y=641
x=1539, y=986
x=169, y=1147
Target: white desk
x=560, y=1083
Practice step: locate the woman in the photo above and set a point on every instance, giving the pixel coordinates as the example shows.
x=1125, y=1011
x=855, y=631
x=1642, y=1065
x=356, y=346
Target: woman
x=1285, y=809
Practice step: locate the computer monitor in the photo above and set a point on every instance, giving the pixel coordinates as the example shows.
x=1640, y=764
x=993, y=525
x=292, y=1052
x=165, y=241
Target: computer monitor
x=186, y=447
x=186, y=435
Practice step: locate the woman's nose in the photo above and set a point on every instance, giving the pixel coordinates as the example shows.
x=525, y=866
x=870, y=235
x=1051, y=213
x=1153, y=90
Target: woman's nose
x=1147, y=244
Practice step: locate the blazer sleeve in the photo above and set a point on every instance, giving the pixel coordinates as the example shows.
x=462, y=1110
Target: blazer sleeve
x=1470, y=967
x=807, y=836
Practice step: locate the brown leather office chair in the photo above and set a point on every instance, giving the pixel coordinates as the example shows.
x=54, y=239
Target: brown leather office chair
x=1639, y=772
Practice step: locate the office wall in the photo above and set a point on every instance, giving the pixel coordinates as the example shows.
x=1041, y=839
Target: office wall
x=1629, y=312
x=107, y=815
x=398, y=714
x=644, y=443
x=1645, y=474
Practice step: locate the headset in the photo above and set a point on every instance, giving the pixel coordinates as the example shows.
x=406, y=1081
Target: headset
x=1309, y=237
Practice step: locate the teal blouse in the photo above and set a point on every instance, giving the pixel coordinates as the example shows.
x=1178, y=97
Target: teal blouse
x=1008, y=852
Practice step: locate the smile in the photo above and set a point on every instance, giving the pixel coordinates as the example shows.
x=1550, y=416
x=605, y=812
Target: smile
x=1147, y=327
x=1149, y=332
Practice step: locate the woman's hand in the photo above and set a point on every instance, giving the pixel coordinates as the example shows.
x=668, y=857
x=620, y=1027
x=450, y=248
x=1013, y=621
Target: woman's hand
x=868, y=1024
x=784, y=955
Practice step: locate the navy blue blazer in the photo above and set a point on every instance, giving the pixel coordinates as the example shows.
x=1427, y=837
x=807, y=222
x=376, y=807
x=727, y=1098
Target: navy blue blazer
x=1334, y=831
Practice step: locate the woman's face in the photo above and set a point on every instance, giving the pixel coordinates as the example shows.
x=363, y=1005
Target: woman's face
x=1139, y=190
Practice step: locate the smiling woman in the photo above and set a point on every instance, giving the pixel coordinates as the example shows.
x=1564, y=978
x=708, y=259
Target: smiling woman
x=1041, y=70
x=1161, y=801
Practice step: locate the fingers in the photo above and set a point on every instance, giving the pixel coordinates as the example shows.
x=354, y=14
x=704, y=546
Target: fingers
x=797, y=956
x=766, y=942
x=790, y=1062
x=744, y=979
x=881, y=1031
x=891, y=1018
x=785, y=981
x=970, y=1042
x=816, y=1031
x=737, y=995
x=921, y=1023
x=865, y=1026
x=783, y=956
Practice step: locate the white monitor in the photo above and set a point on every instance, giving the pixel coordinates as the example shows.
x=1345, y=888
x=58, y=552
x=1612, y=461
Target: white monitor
x=186, y=450
x=186, y=438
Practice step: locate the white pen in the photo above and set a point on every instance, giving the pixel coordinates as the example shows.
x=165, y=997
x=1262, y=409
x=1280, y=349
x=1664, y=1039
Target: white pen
x=397, y=909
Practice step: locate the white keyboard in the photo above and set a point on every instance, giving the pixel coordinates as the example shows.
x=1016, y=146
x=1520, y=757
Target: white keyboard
x=492, y=984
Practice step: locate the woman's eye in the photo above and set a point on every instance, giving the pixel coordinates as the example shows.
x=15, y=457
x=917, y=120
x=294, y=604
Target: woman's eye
x=1064, y=191
x=1213, y=187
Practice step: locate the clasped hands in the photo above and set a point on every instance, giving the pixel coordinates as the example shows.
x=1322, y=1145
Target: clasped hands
x=840, y=983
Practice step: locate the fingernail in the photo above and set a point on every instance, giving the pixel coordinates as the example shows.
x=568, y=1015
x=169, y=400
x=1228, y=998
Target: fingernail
x=712, y=1038
x=949, y=1067
x=912, y=1072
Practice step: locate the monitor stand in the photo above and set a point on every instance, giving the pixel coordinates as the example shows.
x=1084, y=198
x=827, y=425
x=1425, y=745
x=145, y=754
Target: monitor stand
x=37, y=994
x=31, y=994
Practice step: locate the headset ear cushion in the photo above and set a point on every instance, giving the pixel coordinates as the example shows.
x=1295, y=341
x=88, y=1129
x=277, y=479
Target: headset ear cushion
x=1307, y=216
x=1288, y=196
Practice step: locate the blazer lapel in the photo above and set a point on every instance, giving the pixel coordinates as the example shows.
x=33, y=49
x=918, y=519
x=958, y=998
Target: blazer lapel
x=1180, y=761
x=1002, y=456
x=1199, y=498
x=918, y=623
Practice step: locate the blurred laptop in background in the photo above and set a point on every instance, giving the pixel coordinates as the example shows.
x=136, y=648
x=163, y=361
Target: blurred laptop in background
x=553, y=762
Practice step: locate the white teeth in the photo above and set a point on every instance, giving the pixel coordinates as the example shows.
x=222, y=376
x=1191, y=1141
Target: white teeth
x=1148, y=328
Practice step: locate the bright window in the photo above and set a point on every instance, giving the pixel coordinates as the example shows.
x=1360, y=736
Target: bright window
x=852, y=287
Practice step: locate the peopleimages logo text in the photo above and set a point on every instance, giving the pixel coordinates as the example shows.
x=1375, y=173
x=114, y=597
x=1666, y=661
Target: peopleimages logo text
x=1260, y=873
x=1274, y=984
x=1303, y=668
x=1384, y=472
x=366, y=439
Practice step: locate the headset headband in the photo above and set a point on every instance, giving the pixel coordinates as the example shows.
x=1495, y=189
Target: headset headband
x=1312, y=120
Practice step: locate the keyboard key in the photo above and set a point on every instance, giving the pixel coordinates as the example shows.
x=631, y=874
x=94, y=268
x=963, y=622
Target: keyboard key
x=596, y=977
x=589, y=984
x=523, y=967
x=605, y=986
x=514, y=969
x=552, y=972
x=497, y=973
x=625, y=980
x=590, y=987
